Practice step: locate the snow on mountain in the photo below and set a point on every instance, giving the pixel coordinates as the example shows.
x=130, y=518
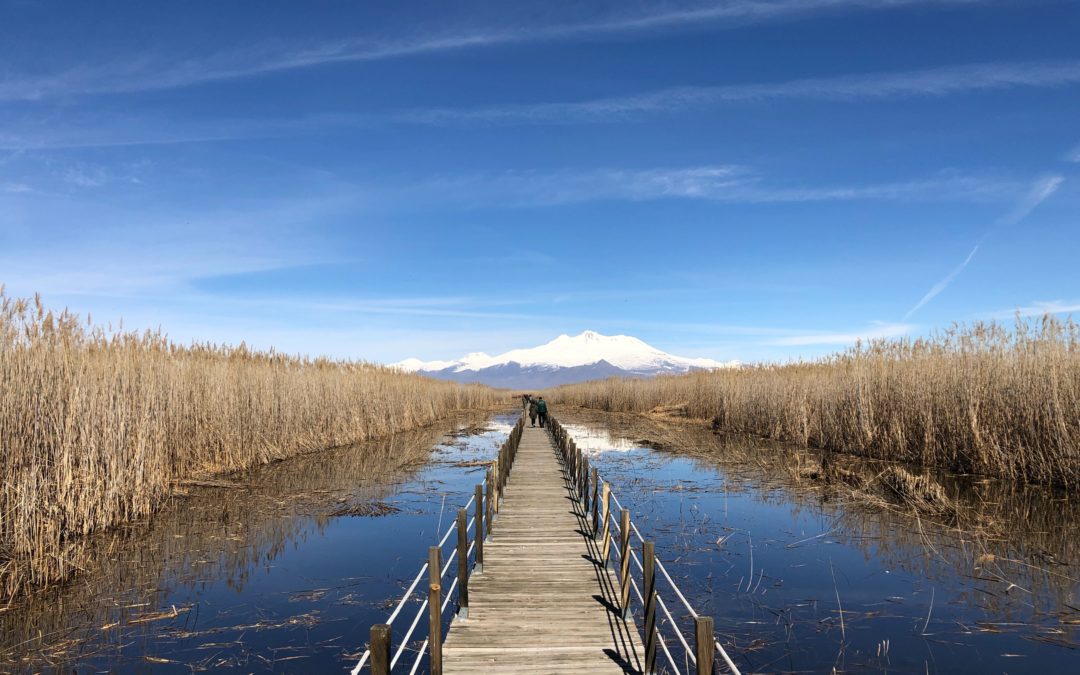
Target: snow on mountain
x=566, y=358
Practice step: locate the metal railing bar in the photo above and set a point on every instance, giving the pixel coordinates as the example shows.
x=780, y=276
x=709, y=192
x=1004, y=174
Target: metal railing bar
x=449, y=561
x=671, y=581
x=659, y=635
x=408, y=634
x=660, y=601
x=449, y=594
x=446, y=601
x=453, y=525
x=401, y=603
x=678, y=592
x=360, y=665
x=675, y=629
x=727, y=659
x=419, y=658
x=412, y=587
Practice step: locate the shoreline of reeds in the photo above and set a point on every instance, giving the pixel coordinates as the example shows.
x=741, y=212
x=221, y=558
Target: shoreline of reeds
x=981, y=399
x=96, y=426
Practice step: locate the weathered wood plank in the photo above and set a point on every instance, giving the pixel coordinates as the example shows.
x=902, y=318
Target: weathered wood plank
x=543, y=603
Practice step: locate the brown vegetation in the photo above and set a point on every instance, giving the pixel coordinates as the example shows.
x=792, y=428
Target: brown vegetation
x=207, y=531
x=97, y=427
x=980, y=399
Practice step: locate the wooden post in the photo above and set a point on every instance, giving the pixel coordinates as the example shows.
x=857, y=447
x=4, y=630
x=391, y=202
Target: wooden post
x=488, y=506
x=585, y=489
x=595, y=503
x=624, y=562
x=704, y=645
x=435, y=610
x=503, y=462
x=606, y=520
x=577, y=466
x=583, y=476
x=648, y=559
x=495, y=487
x=478, y=498
x=463, y=563
x=380, y=649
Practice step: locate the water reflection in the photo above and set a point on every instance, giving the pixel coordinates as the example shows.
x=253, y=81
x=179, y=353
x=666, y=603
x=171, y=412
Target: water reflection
x=809, y=570
x=256, y=573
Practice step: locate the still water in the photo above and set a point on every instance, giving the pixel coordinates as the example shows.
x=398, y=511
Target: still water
x=803, y=577
x=286, y=568
x=261, y=577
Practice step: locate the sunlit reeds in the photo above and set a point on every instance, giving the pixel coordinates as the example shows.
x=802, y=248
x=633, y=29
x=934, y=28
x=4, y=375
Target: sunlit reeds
x=97, y=426
x=982, y=399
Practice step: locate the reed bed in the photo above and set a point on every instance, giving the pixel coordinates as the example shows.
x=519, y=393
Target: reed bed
x=98, y=426
x=981, y=398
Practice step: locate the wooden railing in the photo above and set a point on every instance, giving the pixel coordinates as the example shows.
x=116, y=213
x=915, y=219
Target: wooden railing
x=485, y=502
x=595, y=495
x=596, y=498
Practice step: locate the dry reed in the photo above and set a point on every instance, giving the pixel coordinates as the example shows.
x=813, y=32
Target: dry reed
x=978, y=399
x=97, y=426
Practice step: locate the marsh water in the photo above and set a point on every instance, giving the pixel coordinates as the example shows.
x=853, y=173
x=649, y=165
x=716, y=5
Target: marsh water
x=285, y=567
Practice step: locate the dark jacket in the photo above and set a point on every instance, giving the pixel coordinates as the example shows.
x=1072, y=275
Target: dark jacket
x=541, y=407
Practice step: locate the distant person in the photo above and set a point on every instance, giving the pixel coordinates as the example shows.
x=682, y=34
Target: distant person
x=532, y=411
x=541, y=411
x=525, y=402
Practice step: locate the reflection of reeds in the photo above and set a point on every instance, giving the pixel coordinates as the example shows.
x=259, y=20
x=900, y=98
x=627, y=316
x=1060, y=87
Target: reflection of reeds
x=97, y=426
x=997, y=536
x=209, y=533
x=980, y=399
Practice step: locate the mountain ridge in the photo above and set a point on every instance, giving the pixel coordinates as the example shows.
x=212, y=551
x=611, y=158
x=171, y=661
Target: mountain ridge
x=564, y=360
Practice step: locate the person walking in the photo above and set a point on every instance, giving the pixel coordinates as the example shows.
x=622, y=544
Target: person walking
x=541, y=411
x=532, y=411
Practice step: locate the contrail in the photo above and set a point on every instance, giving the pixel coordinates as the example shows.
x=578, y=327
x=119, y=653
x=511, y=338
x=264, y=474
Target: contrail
x=943, y=284
x=1040, y=192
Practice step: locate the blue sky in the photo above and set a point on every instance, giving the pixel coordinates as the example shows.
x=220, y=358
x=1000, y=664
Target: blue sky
x=750, y=179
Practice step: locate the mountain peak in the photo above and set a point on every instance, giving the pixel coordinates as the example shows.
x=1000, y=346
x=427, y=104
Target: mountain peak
x=622, y=353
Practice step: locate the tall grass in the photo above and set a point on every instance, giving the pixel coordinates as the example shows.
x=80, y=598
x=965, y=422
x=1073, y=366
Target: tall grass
x=981, y=398
x=97, y=426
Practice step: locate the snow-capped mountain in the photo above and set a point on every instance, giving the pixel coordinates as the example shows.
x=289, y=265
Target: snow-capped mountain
x=564, y=360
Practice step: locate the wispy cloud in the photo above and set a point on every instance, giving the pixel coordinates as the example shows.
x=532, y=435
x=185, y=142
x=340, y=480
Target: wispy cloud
x=881, y=330
x=1040, y=191
x=121, y=252
x=883, y=85
x=722, y=183
x=93, y=131
x=145, y=73
x=940, y=286
x=1073, y=155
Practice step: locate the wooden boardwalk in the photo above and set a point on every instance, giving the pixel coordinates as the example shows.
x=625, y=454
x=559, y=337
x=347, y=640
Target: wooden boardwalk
x=543, y=603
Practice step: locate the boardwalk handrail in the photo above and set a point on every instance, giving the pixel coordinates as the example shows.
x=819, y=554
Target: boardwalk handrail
x=485, y=499
x=580, y=474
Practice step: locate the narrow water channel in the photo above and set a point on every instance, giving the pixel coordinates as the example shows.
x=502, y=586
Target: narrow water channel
x=802, y=576
x=284, y=568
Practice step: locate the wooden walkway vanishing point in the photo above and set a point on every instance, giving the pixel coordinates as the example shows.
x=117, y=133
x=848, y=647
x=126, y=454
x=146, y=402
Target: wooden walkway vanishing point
x=544, y=580
x=544, y=602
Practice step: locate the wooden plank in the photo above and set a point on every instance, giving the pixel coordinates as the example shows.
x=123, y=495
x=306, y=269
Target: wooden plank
x=544, y=602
